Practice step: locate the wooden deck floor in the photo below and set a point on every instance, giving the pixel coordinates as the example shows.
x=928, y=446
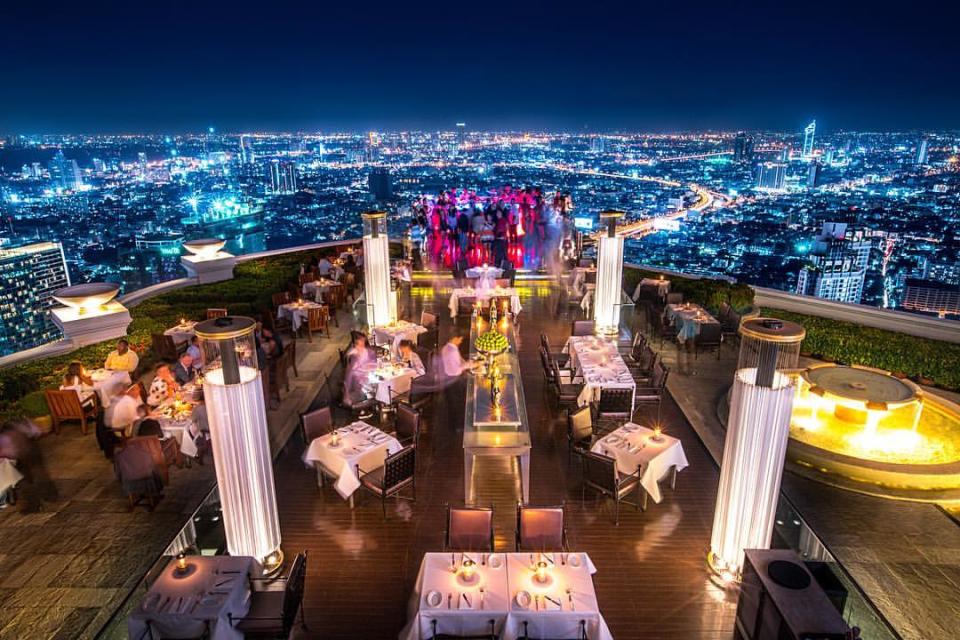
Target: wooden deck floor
x=651, y=576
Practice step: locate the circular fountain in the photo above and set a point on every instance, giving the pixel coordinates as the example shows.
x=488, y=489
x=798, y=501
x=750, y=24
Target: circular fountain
x=865, y=428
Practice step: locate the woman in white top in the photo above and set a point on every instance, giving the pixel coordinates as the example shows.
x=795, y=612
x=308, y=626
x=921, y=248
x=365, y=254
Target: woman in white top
x=162, y=387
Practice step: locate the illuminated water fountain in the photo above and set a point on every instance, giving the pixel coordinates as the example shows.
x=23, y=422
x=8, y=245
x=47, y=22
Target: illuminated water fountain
x=867, y=426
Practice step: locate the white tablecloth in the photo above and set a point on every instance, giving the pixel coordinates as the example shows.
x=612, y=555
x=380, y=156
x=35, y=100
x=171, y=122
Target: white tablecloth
x=104, y=380
x=315, y=290
x=9, y=474
x=662, y=286
x=389, y=381
x=632, y=447
x=579, y=280
x=462, y=610
x=485, y=276
x=485, y=294
x=360, y=444
x=216, y=587
x=182, y=332
x=599, y=364
x=689, y=317
x=295, y=312
x=392, y=335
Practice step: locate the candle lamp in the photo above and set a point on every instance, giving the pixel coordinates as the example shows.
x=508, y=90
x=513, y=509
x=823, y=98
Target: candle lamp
x=181, y=562
x=335, y=439
x=540, y=574
x=183, y=321
x=657, y=433
x=468, y=570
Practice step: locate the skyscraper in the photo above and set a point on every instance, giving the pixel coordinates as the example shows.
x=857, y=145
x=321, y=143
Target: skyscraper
x=283, y=176
x=246, y=150
x=928, y=296
x=65, y=174
x=29, y=275
x=461, y=135
x=838, y=264
x=742, y=148
x=597, y=144
x=771, y=176
x=380, y=183
x=813, y=174
x=922, y=151
x=808, y=134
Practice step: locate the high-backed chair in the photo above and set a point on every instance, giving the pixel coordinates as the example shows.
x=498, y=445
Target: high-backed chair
x=161, y=459
x=164, y=347
x=273, y=612
x=580, y=631
x=567, y=393
x=561, y=359
x=316, y=423
x=65, y=406
x=582, y=328
x=600, y=474
x=579, y=430
x=407, y=425
x=281, y=297
x=469, y=529
x=615, y=404
x=541, y=529
x=710, y=337
x=318, y=321
x=653, y=393
x=137, y=472
x=397, y=473
x=465, y=305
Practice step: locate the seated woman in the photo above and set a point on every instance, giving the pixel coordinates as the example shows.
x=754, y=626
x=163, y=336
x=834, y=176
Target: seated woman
x=163, y=386
x=76, y=378
x=360, y=351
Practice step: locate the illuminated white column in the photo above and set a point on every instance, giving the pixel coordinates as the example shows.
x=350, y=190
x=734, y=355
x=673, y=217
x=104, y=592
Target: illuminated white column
x=606, y=297
x=233, y=394
x=756, y=442
x=376, y=269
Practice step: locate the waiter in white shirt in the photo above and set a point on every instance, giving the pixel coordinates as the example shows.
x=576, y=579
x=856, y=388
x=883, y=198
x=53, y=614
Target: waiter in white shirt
x=452, y=362
x=452, y=367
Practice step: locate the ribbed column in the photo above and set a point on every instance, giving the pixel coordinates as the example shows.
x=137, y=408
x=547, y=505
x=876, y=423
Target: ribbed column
x=606, y=299
x=376, y=267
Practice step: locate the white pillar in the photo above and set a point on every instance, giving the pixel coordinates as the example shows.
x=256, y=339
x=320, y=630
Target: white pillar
x=233, y=394
x=376, y=268
x=756, y=442
x=607, y=296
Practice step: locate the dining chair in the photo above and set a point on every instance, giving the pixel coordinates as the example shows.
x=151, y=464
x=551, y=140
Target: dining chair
x=560, y=358
x=282, y=297
x=164, y=347
x=674, y=298
x=641, y=368
x=407, y=424
x=318, y=320
x=153, y=446
x=306, y=277
x=710, y=337
x=279, y=376
x=469, y=529
x=653, y=393
x=396, y=474
x=65, y=406
x=730, y=327
x=273, y=612
x=434, y=635
x=164, y=629
x=579, y=431
x=566, y=393
x=213, y=314
x=541, y=529
x=465, y=305
x=600, y=474
x=582, y=328
x=139, y=478
x=137, y=391
x=581, y=632
x=316, y=423
x=614, y=404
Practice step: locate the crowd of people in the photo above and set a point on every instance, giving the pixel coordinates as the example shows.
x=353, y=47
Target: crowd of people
x=521, y=226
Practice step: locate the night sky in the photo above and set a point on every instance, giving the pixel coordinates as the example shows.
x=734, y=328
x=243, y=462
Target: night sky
x=634, y=66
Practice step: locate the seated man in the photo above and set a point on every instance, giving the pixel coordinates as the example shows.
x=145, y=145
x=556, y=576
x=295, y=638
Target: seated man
x=122, y=413
x=194, y=352
x=323, y=267
x=123, y=358
x=410, y=358
x=183, y=371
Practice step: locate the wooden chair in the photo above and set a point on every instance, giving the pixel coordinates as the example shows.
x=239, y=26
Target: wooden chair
x=154, y=447
x=282, y=297
x=318, y=320
x=541, y=529
x=291, y=348
x=600, y=474
x=279, y=377
x=397, y=473
x=674, y=298
x=469, y=529
x=165, y=347
x=305, y=278
x=582, y=328
x=213, y=314
x=137, y=391
x=65, y=406
x=138, y=475
x=316, y=423
x=465, y=306
x=273, y=612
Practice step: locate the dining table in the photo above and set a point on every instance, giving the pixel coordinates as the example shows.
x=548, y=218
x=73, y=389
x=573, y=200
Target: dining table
x=9, y=474
x=182, y=332
x=392, y=334
x=176, y=418
x=198, y=601
x=688, y=318
x=636, y=447
x=104, y=380
x=317, y=289
x=338, y=453
x=485, y=294
x=598, y=363
x=545, y=595
x=296, y=312
x=485, y=275
x=661, y=285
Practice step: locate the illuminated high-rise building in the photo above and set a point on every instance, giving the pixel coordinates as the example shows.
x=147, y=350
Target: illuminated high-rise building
x=380, y=183
x=808, y=135
x=597, y=144
x=922, y=151
x=771, y=176
x=838, y=264
x=813, y=175
x=29, y=275
x=283, y=176
x=461, y=135
x=246, y=150
x=65, y=174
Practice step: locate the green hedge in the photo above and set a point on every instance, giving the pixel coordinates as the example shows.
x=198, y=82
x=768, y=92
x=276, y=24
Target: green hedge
x=706, y=292
x=848, y=343
x=250, y=291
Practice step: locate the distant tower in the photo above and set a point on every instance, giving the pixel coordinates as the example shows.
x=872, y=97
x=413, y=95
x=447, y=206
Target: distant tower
x=771, y=176
x=808, y=134
x=380, y=184
x=922, y=151
x=29, y=275
x=461, y=136
x=813, y=175
x=65, y=173
x=742, y=148
x=246, y=150
x=838, y=264
x=597, y=144
x=283, y=176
